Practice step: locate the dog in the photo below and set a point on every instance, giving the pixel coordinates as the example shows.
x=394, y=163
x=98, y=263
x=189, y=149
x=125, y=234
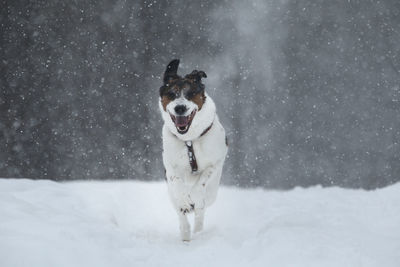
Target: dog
x=194, y=145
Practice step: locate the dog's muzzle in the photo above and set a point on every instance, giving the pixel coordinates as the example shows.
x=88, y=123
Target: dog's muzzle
x=182, y=123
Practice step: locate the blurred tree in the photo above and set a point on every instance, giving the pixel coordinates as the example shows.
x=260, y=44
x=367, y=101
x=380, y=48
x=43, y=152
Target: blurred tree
x=308, y=90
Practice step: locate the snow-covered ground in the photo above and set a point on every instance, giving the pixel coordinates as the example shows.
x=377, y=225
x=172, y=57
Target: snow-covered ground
x=118, y=224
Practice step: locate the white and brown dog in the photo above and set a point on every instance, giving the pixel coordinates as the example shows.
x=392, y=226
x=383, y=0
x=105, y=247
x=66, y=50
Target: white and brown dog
x=194, y=145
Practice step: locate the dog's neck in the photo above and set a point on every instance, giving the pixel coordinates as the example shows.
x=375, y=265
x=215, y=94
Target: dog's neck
x=201, y=122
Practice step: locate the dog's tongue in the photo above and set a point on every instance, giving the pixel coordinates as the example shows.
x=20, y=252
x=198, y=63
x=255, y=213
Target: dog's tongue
x=181, y=121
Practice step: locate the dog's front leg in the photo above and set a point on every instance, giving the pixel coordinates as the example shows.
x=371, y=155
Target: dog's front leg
x=178, y=193
x=198, y=219
x=184, y=225
x=206, y=176
x=203, y=193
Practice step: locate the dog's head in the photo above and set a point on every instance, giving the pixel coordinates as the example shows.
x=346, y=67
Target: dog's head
x=182, y=97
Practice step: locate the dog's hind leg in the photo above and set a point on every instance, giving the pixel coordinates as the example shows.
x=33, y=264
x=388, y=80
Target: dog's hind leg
x=198, y=219
x=184, y=226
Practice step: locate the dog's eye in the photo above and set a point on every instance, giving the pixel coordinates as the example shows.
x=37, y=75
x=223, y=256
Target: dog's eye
x=171, y=94
x=190, y=94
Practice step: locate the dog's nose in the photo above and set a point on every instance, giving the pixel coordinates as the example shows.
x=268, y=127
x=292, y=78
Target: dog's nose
x=180, y=109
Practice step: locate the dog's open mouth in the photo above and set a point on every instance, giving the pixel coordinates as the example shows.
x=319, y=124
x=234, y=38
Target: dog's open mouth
x=182, y=123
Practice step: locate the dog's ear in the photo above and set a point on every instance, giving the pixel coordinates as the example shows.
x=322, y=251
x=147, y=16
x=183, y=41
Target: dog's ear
x=196, y=75
x=171, y=71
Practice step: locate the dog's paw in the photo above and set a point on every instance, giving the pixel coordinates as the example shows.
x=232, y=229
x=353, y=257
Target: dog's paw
x=186, y=239
x=185, y=234
x=187, y=208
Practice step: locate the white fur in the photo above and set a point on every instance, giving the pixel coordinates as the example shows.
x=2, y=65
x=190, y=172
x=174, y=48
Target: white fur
x=186, y=188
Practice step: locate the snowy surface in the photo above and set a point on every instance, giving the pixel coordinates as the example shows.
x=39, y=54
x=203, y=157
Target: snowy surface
x=45, y=223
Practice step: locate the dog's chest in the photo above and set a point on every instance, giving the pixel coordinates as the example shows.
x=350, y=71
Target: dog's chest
x=177, y=154
x=209, y=150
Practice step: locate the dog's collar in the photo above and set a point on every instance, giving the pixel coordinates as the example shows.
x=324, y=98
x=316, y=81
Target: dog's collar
x=191, y=155
x=206, y=130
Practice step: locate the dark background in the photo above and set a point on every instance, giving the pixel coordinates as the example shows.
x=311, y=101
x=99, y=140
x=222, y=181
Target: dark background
x=308, y=90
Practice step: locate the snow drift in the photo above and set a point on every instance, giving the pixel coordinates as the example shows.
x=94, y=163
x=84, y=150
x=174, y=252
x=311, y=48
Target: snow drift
x=45, y=223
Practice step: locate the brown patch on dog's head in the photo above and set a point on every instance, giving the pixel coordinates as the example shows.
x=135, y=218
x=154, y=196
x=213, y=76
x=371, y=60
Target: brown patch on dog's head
x=175, y=86
x=196, y=91
x=164, y=102
x=199, y=99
